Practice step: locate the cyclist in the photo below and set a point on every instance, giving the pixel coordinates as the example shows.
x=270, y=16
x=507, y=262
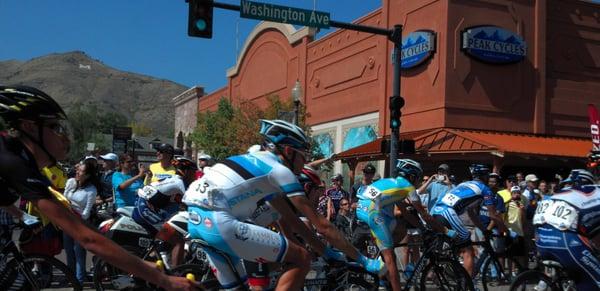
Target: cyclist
x=568, y=227
x=377, y=205
x=462, y=205
x=307, y=212
x=232, y=190
x=38, y=137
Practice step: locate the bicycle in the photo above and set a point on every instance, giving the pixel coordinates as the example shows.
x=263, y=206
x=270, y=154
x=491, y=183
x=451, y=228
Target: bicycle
x=490, y=269
x=530, y=280
x=32, y=272
x=334, y=275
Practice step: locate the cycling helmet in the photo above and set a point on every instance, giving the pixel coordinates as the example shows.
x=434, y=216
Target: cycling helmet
x=593, y=159
x=23, y=102
x=309, y=178
x=579, y=177
x=408, y=167
x=183, y=163
x=165, y=148
x=281, y=132
x=479, y=170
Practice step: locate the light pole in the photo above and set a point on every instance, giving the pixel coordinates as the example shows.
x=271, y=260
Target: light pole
x=296, y=96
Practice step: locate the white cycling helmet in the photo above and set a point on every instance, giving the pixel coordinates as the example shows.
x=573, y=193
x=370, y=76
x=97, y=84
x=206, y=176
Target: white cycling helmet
x=579, y=177
x=407, y=167
x=281, y=132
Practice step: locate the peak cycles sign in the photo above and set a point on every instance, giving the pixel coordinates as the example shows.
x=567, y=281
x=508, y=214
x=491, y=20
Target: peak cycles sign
x=417, y=47
x=493, y=44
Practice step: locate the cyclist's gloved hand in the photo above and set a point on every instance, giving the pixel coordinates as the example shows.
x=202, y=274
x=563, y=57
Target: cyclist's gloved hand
x=375, y=266
x=451, y=233
x=331, y=254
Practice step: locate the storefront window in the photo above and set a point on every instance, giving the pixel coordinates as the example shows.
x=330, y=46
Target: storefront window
x=357, y=136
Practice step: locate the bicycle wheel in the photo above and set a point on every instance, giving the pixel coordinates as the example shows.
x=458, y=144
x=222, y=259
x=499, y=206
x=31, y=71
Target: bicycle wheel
x=199, y=272
x=44, y=273
x=445, y=274
x=494, y=273
x=529, y=280
x=356, y=281
x=108, y=277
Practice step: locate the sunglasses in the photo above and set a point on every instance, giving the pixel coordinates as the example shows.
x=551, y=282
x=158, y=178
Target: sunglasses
x=343, y=204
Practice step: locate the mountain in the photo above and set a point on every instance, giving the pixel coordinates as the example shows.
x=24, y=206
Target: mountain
x=75, y=78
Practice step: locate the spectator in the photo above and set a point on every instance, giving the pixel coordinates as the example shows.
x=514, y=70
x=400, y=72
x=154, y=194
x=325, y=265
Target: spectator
x=544, y=190
x=509, y=183
x=529, y=193
x=520, y=180
x=367, y=178
x=203, y=161
x=334, y=195
x=516, y=224
x=125, y=185
x=163, y=168
x=437, y=184
x=109, y=163
x=81, y=192
x=344, y=218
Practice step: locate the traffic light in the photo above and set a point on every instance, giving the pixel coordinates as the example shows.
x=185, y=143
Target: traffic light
x=200, y=18
x=396, y=103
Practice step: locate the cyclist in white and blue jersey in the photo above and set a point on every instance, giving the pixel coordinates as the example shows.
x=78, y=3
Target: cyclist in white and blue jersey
x=234, y=190
x=568, y=228
x=461, y=206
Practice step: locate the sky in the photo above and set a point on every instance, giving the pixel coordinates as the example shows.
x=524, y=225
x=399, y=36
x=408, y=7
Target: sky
x=147, y=37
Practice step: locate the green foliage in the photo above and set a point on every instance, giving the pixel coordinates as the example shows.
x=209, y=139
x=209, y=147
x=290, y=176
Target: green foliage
x=231, y=129
x=140, y=129
x=88, y=125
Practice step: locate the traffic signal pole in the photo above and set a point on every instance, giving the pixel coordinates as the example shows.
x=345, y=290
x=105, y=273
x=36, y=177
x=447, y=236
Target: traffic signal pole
x=396, y=102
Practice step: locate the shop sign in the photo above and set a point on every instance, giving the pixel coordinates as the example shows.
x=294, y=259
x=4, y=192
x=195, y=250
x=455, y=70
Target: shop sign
x=417, y=47
x=493, y=44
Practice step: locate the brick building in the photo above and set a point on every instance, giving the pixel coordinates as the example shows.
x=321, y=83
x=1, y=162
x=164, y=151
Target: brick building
x=500, y=82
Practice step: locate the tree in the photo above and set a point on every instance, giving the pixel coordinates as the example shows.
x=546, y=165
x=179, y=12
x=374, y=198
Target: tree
x=140, y=129
x=231, y=130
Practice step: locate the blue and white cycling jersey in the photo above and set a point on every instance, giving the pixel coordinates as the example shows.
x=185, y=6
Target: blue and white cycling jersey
x=565, y=223
x=239, y=184
x=462, y=195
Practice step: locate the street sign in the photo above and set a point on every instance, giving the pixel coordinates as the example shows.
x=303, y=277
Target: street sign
x=122, y=133
x=284, y=14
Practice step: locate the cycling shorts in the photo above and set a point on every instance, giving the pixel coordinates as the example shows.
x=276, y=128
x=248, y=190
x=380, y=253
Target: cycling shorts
x=382, y=223
x=573, y=252
x=238, y=240
x=451, y=220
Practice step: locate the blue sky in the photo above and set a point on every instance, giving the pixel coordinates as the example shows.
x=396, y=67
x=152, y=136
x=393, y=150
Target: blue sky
x=142, y=36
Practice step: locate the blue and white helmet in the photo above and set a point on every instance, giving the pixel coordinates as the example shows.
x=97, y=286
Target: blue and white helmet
x=479, y=170
x=579, y=177
x=408, y=167
x=281, y=132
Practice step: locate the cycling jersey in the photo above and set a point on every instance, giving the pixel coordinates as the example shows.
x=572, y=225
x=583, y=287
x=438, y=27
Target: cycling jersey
x=231, y=192
x=453, y=204
x=376, y=207
x=19, y=174
x=564, y=223
x=155, y=203
x=160, y=173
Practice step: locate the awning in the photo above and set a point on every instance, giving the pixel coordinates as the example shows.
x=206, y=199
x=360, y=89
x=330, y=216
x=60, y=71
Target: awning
x=452, y=141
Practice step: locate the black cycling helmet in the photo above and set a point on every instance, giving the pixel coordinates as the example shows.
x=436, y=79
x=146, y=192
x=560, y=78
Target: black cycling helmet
x=479, y=170
x=183, y=163
x=165, y=148
x=23, y=102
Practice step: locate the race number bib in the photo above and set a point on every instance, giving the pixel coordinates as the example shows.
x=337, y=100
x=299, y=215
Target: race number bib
x=561, y=215
x=372, y=193
x=450, y=199
x=541, y=208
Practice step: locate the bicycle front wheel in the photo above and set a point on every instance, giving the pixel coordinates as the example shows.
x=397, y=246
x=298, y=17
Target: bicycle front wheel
x=445, y=274
x=495, y=273
x=199, y=273
x=532, y=280
x=41, y=272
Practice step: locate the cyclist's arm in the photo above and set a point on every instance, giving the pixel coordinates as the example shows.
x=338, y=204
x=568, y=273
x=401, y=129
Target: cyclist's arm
x=473, y=213
x=415, y=201
x=496, y=218
x=288, y=218
x=105, y=248
x=407, y=215
x=324, y=226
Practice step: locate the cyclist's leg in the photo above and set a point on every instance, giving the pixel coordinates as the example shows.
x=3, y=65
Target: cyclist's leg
x=449, y=218
x=174, y=231
x=382, y=225
x=145, y=217
x=251, y=242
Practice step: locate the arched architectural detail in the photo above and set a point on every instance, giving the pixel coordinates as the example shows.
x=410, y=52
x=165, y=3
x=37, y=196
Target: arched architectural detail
x=292, y=35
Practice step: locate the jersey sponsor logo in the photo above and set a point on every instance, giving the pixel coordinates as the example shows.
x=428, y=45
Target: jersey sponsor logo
x=208, y=223
x=379, y=220
x=574, y=243
x=589, y=260
x=195, y=218
x=241, y=232
x=235, y=200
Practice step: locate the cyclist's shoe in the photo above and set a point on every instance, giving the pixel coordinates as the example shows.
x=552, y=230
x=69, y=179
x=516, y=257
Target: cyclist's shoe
x=375, y=266
x=541, y=286
x=335, y=255
x=30, y=221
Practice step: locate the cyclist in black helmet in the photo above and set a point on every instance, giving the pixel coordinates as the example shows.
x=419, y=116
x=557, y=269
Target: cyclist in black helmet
x=38, y=136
